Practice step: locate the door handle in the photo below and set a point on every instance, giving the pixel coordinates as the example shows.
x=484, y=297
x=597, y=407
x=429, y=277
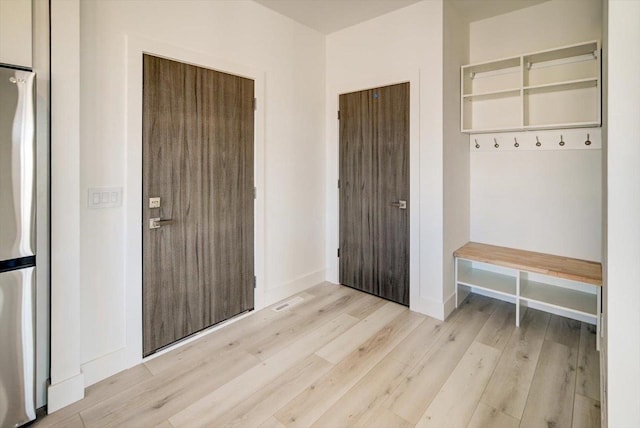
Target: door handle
x=400, y=204
x=157, y=222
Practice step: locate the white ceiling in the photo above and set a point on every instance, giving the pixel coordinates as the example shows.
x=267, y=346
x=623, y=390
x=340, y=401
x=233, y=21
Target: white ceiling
x=475, y=10
x=328, y=16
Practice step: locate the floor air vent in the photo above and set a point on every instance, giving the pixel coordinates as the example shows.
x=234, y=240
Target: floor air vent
x=288, y=304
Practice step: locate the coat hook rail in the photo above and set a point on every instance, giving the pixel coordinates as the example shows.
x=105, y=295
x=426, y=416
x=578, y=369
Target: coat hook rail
x=566, y=139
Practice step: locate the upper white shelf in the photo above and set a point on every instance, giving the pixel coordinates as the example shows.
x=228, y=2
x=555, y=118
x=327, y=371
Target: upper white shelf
x=552, y=89
x=501, y=64
x=493, y=94
x=572, y=51
x=562, y=86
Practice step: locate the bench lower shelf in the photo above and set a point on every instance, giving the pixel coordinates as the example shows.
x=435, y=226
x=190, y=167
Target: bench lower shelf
x=515, y=286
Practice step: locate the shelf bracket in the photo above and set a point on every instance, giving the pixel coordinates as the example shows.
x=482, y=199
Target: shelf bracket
x=595, y=54
x=472, y=75
x=529, y=64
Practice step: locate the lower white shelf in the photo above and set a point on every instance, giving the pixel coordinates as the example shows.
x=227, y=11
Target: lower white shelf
x=567, y=300
x=487, y=280
x=558, y=297
x=572, y=299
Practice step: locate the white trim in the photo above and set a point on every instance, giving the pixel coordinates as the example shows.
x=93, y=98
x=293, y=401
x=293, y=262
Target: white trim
x=416, y=302
x=104, y=366
x=65, y=393
x=293, y=287
x=431, y=307
x=65, y=375
x=449, y=305
x=135, y=47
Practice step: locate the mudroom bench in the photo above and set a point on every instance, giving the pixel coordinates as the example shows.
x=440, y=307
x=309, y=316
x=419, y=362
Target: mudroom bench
x=561, y=285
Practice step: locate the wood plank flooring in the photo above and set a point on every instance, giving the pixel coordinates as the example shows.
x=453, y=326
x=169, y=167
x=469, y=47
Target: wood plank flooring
x=342, y=358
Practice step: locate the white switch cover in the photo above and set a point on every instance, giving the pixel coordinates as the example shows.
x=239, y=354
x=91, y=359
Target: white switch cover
x=104, y=197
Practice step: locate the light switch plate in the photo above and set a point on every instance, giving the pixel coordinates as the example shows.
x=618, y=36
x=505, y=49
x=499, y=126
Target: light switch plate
x=104, y=197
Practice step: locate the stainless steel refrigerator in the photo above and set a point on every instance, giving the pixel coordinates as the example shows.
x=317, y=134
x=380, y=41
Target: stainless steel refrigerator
x=17, y=247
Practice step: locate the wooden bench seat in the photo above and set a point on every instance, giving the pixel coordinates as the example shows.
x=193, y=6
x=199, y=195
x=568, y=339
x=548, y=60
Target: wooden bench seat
x=580, y=301
x=546, y=264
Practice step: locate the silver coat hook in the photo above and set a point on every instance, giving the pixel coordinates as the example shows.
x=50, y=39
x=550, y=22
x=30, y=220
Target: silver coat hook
x=496, y=145
x=538, y=143
x=588, y=142
x=516, y=144
x=561, y=141
x=477, y=145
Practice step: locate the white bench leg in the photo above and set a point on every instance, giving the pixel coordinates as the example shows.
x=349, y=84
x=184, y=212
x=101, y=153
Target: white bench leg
x=455, y=276
x=599, y=318
x=517, y=298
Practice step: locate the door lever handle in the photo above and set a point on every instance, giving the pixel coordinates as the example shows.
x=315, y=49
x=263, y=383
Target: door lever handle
x=400, y=204
x=157, y=222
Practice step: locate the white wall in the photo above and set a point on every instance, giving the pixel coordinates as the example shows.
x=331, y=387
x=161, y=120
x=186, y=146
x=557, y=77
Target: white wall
x=547, y=25
x=291, y=58
x=623, y=241
x=547, y=201
x=456, y=149
x=404, y=45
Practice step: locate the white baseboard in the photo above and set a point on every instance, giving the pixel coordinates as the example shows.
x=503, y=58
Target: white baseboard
x=65, y=393
x=427, y=306
x=295, y=286
x=102, y=367
x=449, y=305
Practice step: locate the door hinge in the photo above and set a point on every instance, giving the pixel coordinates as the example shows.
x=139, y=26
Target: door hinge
x=255, y=104
x=255, y=193
x=338, y=114
x=338, y=183
x=255, y=282
x=338, y=252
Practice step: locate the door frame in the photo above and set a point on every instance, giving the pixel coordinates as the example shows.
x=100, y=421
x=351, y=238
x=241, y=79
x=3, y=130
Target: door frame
x=333, y=173
x=136, y=47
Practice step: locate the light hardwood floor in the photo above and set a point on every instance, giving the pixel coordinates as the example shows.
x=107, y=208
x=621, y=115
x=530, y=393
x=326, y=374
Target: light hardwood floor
x=344, y=358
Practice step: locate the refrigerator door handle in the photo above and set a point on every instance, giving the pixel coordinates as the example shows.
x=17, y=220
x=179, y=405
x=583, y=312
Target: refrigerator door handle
x=17, y=359
x=23, y=161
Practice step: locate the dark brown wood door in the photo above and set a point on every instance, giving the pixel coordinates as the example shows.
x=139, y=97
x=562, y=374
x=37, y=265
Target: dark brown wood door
x=198, y=265
x=374, y=191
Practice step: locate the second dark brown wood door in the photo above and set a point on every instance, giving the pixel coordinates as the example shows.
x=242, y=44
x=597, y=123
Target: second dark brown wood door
x=374, y=191
x=198, y=264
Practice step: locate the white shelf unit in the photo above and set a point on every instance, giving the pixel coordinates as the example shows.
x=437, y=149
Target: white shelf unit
x=552, y=89
x=577, y=302
x=514, y=286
